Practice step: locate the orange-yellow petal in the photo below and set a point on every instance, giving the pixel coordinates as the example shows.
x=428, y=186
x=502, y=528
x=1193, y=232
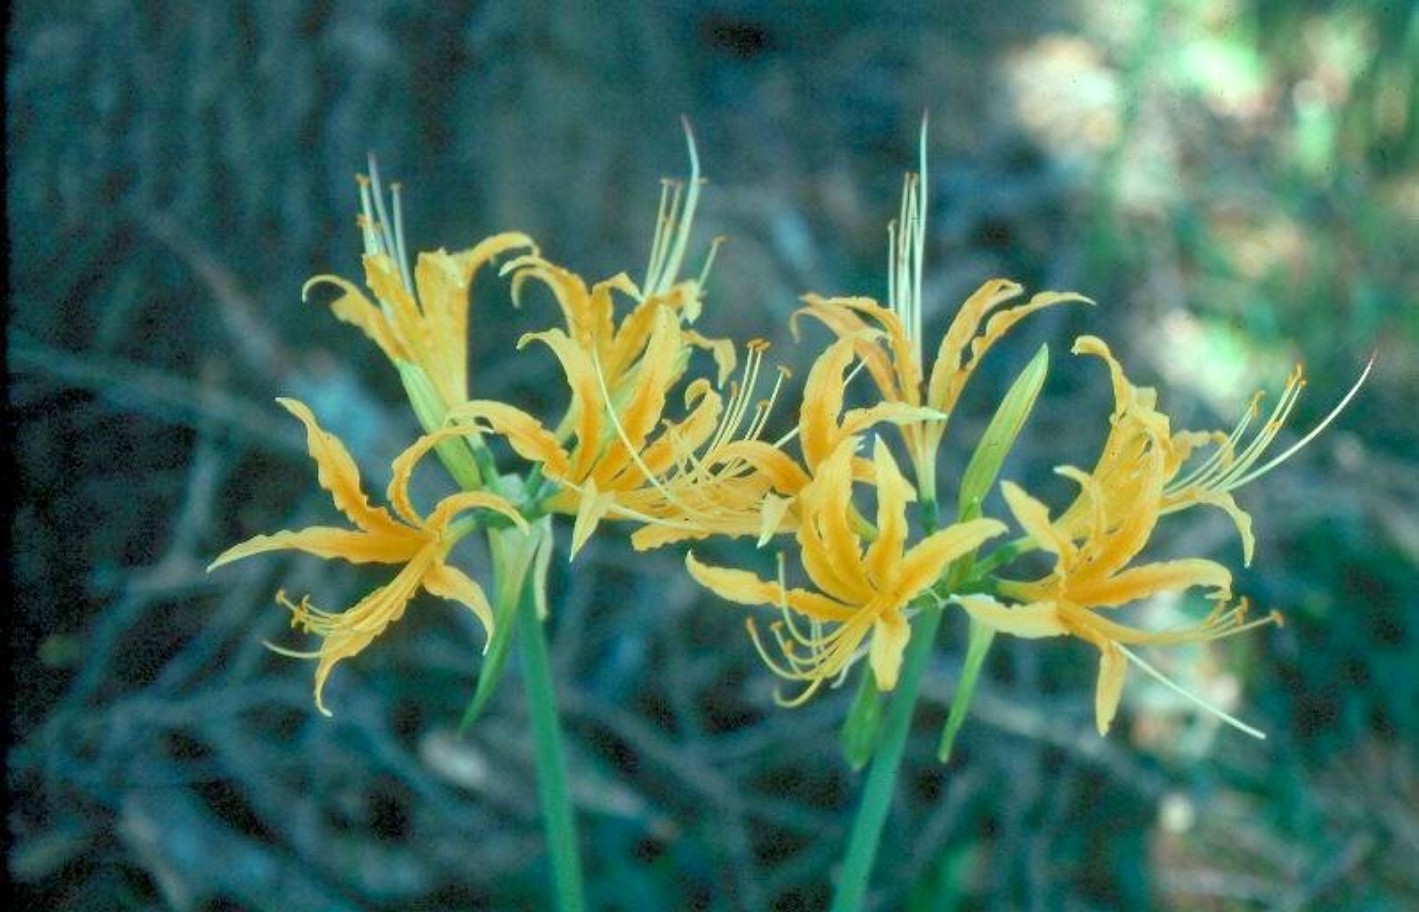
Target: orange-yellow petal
x=1033, y=518
x=1032, y=621
x=354, y=308
x=326, y=542
x=829, y=546
x=647, y=399
x=523, y=433
x=1112, y=666
x=744, y=588
x=1144, y=581
x=591, y=507
x=823, y=402
x=453, y=584
x=890, y=634
x=402, y=469
x=928, y=559
x=893, y=494
x=336, y=472
x=588, y=405
x=347, y=634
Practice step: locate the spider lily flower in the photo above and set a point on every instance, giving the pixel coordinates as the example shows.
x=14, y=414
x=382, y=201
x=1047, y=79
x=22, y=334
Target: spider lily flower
x=889, y=339
x=860, y=593
x=419, y=543
x=589, y=313
x=1094, y=575
x=707, y=473
x=422, y=317
x=1096, y=540
x=613, y=452
x=1231, y=464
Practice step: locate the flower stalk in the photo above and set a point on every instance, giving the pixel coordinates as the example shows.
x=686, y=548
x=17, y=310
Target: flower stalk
x=549, y=755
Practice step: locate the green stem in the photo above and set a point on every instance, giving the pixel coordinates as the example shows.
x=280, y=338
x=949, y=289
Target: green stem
x=557, y=819
x=882, y=776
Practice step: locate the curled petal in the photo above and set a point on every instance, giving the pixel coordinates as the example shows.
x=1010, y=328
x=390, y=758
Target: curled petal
x=646, y=403
x=1141, y=582
x=402, y=469
x=354, y=308
x=1031, y=622
x=1112, y=666
x=346, y=634
x=322, y=541
x=336, y=472
x=1033, y=517
x=884, y=554
x=823, y=402
x=722, y=350
x=451, y=506
x=830, y=548
x=1222, y=500
x=455, y=585
x=928, y=559
x=744, y=588
x=588, y=405
x=889, y=640
x=844, y=316
x=524, y=434
x=592, y=506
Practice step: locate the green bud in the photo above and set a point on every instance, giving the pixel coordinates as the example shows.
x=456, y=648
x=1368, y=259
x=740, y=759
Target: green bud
x=1000, y=434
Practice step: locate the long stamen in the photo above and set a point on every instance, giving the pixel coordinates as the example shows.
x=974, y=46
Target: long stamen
x=687, y=216
x=383, y=225
x=673, y=221
x=1222, y=456
x=660, y=243
x=367, y=220
x=401, y=253
x=1294, y=448
x=1189, y=695
x=1226, y=469
x=906, y=241
x=793, y=432
x=625, y=439
x=715, y=244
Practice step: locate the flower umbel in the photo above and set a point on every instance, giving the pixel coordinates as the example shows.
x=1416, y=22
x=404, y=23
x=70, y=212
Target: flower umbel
x=421, y=544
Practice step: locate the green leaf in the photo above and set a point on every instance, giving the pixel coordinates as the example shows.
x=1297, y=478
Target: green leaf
x=863, y=726
x=1000, y=434
x=456, y=455
x=977, y=645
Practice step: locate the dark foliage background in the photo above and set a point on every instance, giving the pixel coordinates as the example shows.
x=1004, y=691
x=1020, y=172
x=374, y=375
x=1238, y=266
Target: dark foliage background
x=1236, y=183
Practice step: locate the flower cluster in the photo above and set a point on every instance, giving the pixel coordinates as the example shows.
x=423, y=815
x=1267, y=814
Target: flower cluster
x=665, y=431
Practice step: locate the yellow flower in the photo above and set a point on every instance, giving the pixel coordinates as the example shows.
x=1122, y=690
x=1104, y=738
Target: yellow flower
x=1096, y=539
x=705, y=474
x=1231, y=464
x=613, y=452
x=422, y=319
x=860, y=592
x=889, y=339
x=421, y=544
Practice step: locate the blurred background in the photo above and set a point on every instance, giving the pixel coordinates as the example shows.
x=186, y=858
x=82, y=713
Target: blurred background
x=1235, y=182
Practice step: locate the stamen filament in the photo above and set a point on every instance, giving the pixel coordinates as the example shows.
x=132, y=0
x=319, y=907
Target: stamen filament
x=1194, y=698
